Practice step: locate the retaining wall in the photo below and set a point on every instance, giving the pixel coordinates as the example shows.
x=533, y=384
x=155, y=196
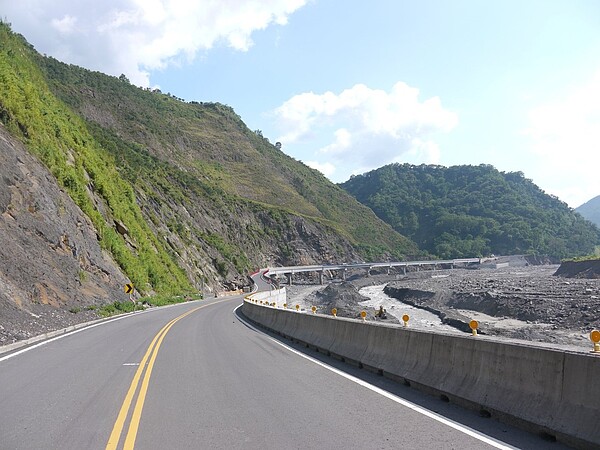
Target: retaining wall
x=548, y=391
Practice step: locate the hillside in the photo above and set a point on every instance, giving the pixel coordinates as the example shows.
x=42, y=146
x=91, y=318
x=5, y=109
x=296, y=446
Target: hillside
x=463, y=211
x=179, y=196
x=590, y=210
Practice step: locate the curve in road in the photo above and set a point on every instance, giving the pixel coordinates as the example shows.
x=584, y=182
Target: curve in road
x=206, y=379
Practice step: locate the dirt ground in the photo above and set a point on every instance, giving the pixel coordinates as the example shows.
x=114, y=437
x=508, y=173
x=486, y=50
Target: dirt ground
x=524, y=302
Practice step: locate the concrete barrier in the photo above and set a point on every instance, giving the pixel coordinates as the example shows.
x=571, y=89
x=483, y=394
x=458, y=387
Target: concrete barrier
x=548, y=391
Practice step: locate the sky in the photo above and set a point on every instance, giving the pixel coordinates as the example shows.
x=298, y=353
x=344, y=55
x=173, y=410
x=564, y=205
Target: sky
x=347, y=87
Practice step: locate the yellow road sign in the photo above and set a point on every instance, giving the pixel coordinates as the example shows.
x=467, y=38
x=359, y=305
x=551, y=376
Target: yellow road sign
x=129, y=288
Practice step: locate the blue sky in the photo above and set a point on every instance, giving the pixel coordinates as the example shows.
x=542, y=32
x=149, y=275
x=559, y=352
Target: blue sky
x=350, y=86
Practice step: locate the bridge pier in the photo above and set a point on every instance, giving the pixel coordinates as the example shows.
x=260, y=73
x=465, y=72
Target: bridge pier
x=344, y=274
x=321, y=276
x=289, y=278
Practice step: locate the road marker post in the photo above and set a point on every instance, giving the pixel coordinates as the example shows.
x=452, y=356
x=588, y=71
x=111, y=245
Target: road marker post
x=334, y=312
x=314, y=309
x=297, y=307
x=595, y=338
x=474, y=325
x=405, y=319
x=363, y=314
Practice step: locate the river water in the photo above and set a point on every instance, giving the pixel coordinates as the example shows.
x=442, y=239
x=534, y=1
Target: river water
x=419, y=318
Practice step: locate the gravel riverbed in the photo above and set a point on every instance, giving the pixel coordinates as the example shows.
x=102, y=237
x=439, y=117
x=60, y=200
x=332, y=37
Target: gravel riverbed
x=526, y=302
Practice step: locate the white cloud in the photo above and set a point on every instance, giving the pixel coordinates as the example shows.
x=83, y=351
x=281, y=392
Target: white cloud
x=135, y=36
x=366, y=128
x=326, y=169
x=565, y=140
x=66, y=25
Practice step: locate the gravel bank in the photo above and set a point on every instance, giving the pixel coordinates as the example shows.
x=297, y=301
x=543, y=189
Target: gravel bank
x=527, y=303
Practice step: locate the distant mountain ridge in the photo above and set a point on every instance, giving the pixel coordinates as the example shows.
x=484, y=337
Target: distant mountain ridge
x=591, y=210
x=462, y=211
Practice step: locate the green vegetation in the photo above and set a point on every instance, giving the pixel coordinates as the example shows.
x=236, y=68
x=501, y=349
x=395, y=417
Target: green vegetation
x=182, y=195
x=115, y=308
x=152, y=136
x=48, y=127
x=591, y=210
x=592, y=257
x=464, y=211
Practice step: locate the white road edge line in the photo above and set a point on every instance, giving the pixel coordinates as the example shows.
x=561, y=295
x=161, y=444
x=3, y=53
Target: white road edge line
x=39, y=344
x=94, y=325
x=419, y=409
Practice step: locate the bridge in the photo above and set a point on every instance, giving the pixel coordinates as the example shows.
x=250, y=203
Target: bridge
x=321, y=269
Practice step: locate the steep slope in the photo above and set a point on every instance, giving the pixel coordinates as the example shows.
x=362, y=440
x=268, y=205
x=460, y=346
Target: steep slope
x=50, y=257
x=182, y=195
x=473, y=211
x=208, y=142
x=590, y=210
x=82, y=168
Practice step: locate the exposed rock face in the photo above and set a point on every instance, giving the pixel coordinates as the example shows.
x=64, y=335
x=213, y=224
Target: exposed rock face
x=51, y=261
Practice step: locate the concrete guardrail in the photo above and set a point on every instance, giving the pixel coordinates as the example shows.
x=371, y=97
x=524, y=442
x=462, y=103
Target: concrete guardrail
x=552, y=392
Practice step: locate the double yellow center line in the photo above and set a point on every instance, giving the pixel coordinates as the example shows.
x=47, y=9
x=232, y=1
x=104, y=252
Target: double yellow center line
x=149, y=358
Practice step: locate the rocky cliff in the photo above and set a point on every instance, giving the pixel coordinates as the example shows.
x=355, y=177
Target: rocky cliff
x=51, y=261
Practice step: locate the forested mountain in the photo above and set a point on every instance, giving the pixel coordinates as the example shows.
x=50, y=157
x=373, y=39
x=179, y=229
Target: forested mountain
x=473, y=211
x=591, y=210
x=182, y=196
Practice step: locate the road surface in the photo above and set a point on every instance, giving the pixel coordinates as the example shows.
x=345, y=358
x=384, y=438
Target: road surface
x=195, y=376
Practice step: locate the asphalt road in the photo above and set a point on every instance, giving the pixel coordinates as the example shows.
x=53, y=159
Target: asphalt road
x=165, y=380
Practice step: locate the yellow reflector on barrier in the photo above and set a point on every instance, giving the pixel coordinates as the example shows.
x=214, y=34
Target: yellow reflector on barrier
x=595, y=337
x=474, y=325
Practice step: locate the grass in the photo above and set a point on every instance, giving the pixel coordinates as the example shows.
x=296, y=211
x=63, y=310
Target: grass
x=115, y=308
